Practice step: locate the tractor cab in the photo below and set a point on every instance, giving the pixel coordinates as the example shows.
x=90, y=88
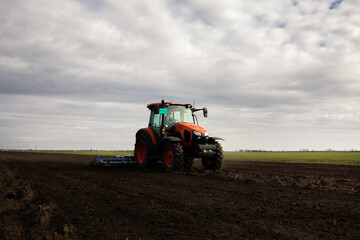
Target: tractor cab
x=176, y=114
x=166, y=115
x=173, y=129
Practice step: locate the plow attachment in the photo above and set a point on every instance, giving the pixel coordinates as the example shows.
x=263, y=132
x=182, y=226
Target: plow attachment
x=117, y=160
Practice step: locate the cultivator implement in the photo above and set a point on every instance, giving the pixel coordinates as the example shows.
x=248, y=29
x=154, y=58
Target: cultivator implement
x=117, y=160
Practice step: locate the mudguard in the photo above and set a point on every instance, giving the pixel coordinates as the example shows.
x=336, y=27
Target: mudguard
x=218, y=138
x=173, y=139
x=150, y=136
x=169, y=139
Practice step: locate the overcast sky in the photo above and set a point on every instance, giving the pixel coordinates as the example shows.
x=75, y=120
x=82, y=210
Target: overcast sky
x=78, y=74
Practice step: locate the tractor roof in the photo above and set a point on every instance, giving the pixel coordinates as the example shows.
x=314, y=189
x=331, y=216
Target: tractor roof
x=151, y=105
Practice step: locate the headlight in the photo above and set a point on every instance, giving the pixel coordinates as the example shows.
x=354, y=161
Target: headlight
x=196, y=133
x=199, y=134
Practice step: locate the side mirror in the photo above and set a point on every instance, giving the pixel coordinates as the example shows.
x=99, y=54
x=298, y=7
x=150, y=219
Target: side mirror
x=205, y=112
x=156, y=109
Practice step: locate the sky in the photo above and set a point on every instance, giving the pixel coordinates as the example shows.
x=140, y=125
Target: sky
x=274, y=75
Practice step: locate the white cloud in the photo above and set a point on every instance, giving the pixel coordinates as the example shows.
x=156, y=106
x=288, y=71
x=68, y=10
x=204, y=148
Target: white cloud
x=264, y=69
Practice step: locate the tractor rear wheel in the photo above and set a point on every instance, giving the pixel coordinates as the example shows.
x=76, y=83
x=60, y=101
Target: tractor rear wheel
x=142, y=151
x=173, y=156
x=216, y=162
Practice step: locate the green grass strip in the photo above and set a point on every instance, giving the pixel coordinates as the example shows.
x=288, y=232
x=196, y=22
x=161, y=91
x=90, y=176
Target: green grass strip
x=317, y=157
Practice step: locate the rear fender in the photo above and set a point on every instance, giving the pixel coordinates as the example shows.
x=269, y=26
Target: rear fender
x=150, y=136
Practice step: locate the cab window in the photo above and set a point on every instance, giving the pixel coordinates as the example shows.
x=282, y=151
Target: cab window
x=156, y=120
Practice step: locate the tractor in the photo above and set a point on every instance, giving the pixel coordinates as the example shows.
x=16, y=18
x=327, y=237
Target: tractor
x=174, y=137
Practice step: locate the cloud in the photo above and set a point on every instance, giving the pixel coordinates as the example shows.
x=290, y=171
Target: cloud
x=275, y=67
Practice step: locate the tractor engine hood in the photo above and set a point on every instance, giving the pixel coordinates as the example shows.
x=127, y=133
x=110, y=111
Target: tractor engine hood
x=192, y=128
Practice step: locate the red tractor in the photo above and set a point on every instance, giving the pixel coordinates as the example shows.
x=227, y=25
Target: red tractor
x=173, y=137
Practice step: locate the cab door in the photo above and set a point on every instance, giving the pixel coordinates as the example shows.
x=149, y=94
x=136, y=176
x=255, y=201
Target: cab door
x=155, y=124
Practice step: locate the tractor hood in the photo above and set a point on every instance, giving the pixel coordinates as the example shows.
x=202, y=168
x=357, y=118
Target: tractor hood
x=181, y=127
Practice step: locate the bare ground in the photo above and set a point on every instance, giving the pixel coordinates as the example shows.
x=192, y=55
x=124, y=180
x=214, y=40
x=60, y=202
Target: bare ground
x=57, y=196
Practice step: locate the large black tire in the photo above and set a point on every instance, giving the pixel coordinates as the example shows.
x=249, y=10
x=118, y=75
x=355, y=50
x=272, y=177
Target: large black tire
x=173, y=156
x=188, y=162
x=142, y=151
x=216, y=162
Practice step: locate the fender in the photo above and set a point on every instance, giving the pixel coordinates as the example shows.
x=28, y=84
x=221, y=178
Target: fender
x=218, y=138
x=169, y=139
x=172, y=139
x=149, y=133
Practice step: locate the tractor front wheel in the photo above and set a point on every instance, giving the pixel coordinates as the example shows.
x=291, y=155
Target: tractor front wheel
x=173, y=156
x=216, y=162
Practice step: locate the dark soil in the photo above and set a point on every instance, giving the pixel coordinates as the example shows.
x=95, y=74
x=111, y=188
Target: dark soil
x=57, y=196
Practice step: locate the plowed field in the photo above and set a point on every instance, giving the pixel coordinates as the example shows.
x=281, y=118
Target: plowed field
x=58, y=196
